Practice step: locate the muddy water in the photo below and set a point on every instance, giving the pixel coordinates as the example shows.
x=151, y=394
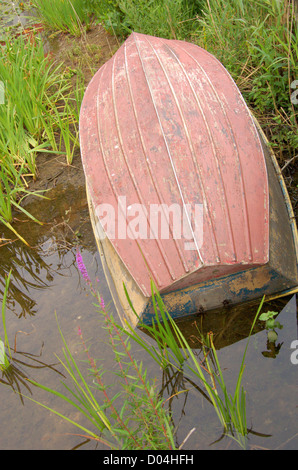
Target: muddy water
x=45, y=279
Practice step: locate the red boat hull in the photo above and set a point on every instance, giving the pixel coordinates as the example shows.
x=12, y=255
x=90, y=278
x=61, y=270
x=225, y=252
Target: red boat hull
x=165, y=133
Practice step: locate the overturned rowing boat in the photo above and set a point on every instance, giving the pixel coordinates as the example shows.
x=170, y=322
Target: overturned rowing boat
x=183, y=188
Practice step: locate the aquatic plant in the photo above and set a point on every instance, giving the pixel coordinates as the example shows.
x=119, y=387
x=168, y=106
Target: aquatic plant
x=174, y=350
x=134, y=418
x=270, y=325
x=4, y=344
x=142, y=421
x=82, y=268
x=11, y=195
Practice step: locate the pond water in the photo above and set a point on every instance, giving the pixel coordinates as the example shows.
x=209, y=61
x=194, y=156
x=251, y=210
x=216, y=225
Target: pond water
x=45, y=280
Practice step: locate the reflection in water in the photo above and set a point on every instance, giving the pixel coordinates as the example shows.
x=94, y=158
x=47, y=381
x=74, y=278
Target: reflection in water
x=231, y=324
x=16, y=374
x=179, y=382
x=35, y=267
x=45, y=279
x=29, y=271
x=230, y=329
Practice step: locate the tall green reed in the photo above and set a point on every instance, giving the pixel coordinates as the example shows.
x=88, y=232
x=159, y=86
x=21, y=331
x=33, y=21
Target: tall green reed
x=39, y=115
x=4, y=344
x=136, y=418
x=174, y=350
x=29, y=77
x=133, y=418
x=70, y=16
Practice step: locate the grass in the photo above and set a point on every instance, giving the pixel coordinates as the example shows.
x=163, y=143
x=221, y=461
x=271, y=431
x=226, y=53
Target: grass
x=174, y=350
x=11, y=199
x=40, y=113
x=165, y=19
x=173, y=19
x=260, y=50
x=4, y=344
x=70, y=16
x=136, y=418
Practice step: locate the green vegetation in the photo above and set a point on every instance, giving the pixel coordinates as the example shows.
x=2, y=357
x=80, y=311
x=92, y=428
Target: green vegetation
x=4, y=345
x=40, y=113
x=270, y=324
x=173, y=19
x=136, y=418
x=69, y=16
x=258, y=44
x=174, y=350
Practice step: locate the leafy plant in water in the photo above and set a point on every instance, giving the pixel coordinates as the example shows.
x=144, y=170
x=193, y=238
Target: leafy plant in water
x=270, y=325
x=10, y=198
x=270, y=322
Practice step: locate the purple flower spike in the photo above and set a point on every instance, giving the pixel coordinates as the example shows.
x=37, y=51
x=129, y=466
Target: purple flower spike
x=82, y=267
x=102, y=303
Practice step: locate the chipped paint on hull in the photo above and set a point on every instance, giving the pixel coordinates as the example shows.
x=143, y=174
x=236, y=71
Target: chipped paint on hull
x=163, y=121
x=275, y=279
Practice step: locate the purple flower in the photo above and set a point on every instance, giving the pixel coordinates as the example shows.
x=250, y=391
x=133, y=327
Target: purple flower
x=82, y=267
x=102, y=303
